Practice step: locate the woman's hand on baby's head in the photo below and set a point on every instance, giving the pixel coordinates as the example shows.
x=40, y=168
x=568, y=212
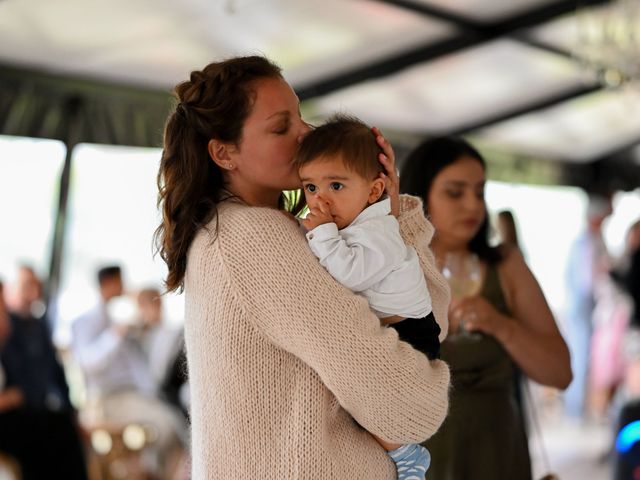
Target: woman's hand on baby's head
x=391, y=177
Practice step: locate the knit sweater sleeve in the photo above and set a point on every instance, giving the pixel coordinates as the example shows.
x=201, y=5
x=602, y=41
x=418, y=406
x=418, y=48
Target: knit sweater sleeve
x=417, y=232
x=391, y=389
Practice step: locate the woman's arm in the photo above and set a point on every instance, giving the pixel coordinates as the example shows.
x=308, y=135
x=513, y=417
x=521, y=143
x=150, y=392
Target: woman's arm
x=530, y=336
x=417, y=232
x=391, y=389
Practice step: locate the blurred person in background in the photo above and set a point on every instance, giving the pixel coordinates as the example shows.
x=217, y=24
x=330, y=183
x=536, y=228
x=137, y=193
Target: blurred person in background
x=587, y=271
x=614, y=312
x=498, y=331
x=628, y=271
x=118, y=379
x=164, y=348
x=507, y=229
x=39, y=429
x=29, y=352
x=627, y=276
x=10, y=397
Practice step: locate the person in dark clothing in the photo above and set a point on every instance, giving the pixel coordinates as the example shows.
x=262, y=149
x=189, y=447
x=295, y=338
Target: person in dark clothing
x=174, y=381
x=633, y=285
x=627, y=453
x=41, y=433
x=630, y=279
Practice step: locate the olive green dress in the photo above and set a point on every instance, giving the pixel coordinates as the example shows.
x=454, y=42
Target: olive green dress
x=483, y=436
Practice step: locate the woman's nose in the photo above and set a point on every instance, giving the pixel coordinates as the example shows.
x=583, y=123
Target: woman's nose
x=472, y=202
x=304, y=129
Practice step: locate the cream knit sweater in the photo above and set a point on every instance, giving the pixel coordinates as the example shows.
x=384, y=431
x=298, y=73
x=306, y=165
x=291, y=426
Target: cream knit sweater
x=283, y=360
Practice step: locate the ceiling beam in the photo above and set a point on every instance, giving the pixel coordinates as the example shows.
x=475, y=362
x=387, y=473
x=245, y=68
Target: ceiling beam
x=525, y=19
x=471, y=33
x=618, y=151
x=513, y=29
x=386, y=66
x=526, y=39
x=536, y=105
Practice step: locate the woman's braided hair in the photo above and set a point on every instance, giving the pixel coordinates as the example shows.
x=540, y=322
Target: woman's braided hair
x=213, y=104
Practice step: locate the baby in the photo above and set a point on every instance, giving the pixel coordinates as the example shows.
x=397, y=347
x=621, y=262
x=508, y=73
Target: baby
x=351, y=231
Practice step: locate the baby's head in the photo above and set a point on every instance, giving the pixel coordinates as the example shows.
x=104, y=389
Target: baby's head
x=338, y=165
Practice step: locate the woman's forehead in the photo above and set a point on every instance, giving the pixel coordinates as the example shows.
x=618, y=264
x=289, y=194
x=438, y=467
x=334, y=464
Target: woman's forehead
x=272, y=97
x=464, y=170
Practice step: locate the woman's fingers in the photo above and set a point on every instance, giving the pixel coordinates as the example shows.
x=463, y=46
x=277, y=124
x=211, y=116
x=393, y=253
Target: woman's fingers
x=390, y=175
x=384, y=145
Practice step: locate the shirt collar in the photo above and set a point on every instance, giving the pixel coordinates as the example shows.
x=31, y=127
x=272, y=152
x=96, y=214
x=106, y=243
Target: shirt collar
x=380, y=208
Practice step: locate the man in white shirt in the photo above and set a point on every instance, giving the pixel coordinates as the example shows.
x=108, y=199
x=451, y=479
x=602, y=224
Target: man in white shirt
x=163, y=345
x=117, y=375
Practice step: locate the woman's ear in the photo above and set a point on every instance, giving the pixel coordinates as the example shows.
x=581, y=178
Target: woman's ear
x=219, y=153
x=377, y=189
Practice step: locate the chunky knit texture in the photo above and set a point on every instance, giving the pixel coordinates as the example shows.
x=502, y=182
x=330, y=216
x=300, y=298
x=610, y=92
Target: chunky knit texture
x=283, y=360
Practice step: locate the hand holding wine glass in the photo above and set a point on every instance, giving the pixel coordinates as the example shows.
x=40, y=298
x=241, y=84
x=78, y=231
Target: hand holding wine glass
x=464, y=275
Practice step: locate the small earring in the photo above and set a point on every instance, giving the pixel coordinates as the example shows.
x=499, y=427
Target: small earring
x=229, y=166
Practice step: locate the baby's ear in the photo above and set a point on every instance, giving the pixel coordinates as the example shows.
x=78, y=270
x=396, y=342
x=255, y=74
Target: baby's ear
x=377, y=189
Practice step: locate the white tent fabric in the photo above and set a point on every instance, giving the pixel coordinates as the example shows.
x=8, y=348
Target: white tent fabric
x=156, y=43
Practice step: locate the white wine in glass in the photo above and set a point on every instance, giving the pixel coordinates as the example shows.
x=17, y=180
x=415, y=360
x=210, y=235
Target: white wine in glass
x=464, y=287
x=464, y=275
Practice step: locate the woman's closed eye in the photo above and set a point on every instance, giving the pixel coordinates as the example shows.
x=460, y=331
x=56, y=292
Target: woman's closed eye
x=454, y=193
x=282, y=127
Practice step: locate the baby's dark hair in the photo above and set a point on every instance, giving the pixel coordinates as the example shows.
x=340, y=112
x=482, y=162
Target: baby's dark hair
x=348, y=137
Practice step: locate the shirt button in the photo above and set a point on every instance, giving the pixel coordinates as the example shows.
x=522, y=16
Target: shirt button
x=310, y=236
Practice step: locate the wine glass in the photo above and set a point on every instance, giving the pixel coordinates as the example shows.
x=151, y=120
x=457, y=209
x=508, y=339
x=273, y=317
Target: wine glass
x=464, y=275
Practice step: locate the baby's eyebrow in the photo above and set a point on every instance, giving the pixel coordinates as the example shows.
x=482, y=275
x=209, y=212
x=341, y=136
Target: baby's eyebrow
x=327, y=177
x=335, y=177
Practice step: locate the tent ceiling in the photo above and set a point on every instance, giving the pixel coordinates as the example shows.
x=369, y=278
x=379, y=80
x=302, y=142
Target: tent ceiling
x=148, y=43
x=485, y=11
x=500, y=69
x=579, y=130
x=457, y=90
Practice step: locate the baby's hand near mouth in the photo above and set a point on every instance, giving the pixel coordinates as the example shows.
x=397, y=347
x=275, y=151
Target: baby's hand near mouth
x=317, y=215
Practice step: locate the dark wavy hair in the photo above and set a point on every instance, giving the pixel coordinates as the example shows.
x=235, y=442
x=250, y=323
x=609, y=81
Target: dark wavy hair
x=213, y=104
x=424, y=164
x=348, y=137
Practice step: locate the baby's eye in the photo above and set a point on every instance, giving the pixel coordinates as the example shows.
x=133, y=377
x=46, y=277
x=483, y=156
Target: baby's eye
x=310, y=187
x=336, y=186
